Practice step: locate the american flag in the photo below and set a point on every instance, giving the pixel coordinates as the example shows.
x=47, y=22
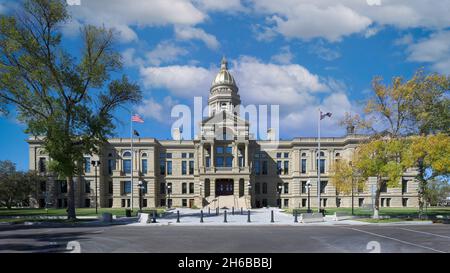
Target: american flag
x=137, y=118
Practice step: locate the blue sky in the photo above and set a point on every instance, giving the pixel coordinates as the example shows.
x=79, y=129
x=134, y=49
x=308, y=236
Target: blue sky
x=300, y=55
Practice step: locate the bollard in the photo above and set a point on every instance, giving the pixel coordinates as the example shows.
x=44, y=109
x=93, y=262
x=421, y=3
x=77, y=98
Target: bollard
x=242, y=211
x=248, y=216
x=178, y=216
x=217, y=211
x=225, y=217
x=209, y=211
x=271, y=217
x=201, y=216
x=154, y=217
x=232, y=210
x=295, y=217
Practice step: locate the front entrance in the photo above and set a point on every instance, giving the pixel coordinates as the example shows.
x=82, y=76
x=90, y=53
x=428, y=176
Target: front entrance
x=191, y=203
x=224, y=187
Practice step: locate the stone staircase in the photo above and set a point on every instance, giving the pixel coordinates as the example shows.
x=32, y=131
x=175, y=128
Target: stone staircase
x=226, y=201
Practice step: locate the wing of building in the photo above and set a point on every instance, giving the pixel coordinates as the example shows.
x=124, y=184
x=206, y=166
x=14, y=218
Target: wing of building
x=222, y=167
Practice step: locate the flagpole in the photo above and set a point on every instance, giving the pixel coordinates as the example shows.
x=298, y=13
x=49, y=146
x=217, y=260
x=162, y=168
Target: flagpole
x=318, y=162
x=132, y=159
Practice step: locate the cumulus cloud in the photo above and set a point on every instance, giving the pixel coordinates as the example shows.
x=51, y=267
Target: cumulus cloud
x=159, y=111
x=229, y=6
x=165, y=52
x=121, y=15
x=434, y=50
x=192, y=33
x=335, y=19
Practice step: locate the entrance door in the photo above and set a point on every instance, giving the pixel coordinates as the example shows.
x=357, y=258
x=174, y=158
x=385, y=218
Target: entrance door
x=191, y=203
x=224, y=187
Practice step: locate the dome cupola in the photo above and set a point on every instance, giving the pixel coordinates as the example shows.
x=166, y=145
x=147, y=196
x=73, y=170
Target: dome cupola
x=224, y=77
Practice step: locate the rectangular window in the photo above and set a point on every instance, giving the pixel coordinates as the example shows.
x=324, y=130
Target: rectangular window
x=219, y=149
x=191, y=155
x=264, y=189
x=123, y=204
x=264, y=167
x=110, y=187
x=87, y=164
x=145, y=187
x=162, y=188
x=87, y=186
x=126, y=166
x=128, y=202
x=162, y=202
x=144, y=166
x=208, y=162
x=324, y=202
x=169, y=188
x=191, y=167
x=126, y=187
x=183, y=167
x=169, y=155
x=279, y=169
x=162, y=167
x=382, y=202
x=304, y=187
x=219, y=161
x=405, y=202
x=360, y=202
x=169, y=167
x=183, y=155
x=111, y=165
x=184, y=202
x=229, y=150
x=286, y=167
x=144, y=203
x=286, y=203
x=257, y=167
x=278, y=155
x=228, y=161
x=383, y=187
x=257, y=188
x=110, y=203
x=191, y=187
x=304, y=200
x=42, y=165
x=388, y=202
x=404, y=186
x=286, y=188
x=338, y=202
x=183, y=188
x=323, y=186
x=286, y=155
x=322, y=166
x=303, y=168
x=241, y=161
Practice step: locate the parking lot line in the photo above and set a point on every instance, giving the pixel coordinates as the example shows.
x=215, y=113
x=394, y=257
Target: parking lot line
x=424, y=232
x=395, y=239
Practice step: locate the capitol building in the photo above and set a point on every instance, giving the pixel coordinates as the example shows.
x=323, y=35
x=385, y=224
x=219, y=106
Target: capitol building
x=222, y=167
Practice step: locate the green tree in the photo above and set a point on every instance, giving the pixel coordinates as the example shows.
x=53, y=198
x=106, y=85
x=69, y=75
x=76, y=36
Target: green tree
x=15, y=187
x=344, y=176
x=436, y=191
x=67, y=101
x=386, y=159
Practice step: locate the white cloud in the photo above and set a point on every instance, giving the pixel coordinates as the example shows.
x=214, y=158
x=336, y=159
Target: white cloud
x=326, y=53
x=434, y=50
x=121, y=15
x=165, y=52
x=224, y=6
x=149, y=108
x=334, y=19
x=404, y=40
x=284, y=57
x=189, y=33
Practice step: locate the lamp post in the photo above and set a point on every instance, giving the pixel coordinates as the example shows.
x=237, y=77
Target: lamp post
x=141, y=189
x=169, y=190
x=96, y=163
x=280, y=187
x=353, y=188
x=308, y=188
x=201, y=195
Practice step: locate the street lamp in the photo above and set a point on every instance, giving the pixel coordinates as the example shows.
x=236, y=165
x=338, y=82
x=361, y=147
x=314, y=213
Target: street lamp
x=308, y=188
x=96, y=163
x=169, y=189
x=141, y=189
x=280, y=187
x=353, y=189
x=201, y=196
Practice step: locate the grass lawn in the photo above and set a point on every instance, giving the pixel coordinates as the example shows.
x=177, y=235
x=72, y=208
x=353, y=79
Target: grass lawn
x=62, y=212
x=393, y=212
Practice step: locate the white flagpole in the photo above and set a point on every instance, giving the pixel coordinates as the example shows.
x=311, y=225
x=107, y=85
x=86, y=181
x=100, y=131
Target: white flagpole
x=318, y=162
x=132, y=159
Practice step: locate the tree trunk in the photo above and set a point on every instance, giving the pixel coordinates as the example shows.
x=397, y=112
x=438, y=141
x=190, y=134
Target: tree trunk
x=70, y=198
x=422, y=186
x=376, y=211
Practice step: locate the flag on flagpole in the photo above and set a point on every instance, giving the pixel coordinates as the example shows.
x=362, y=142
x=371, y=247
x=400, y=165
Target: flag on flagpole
x=136, y=133
x=322, y=116
x=137, y=118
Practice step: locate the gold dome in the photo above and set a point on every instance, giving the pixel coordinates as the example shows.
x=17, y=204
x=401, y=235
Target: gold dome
x=224, y=76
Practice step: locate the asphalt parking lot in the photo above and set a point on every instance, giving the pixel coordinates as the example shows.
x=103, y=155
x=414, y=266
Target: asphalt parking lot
x=232, y=239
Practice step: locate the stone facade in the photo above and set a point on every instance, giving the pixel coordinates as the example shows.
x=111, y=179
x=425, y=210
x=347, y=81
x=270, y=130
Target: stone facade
x=223, y=166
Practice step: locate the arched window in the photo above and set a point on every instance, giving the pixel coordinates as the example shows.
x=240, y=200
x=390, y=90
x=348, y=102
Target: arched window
x=338, y=154
x=321, y=154
x=144, y=154
x=304, y=154
x=127, y=154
